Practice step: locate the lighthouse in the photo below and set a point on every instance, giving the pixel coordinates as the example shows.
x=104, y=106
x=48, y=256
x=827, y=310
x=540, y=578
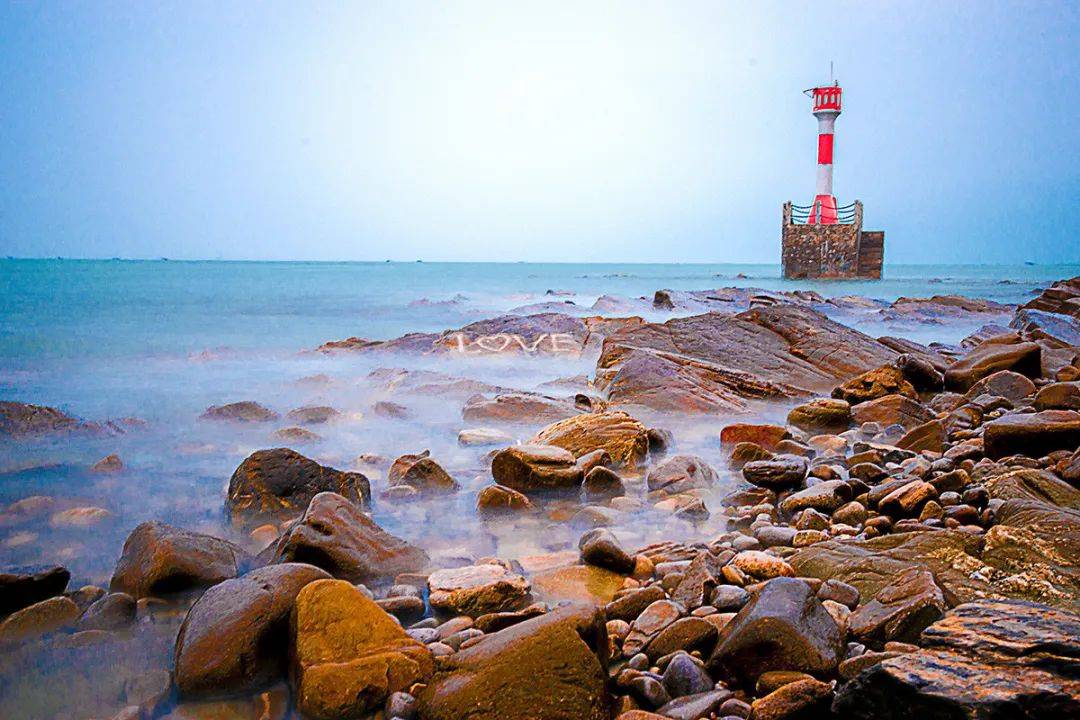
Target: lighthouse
x=826, y=110
x=824, y=239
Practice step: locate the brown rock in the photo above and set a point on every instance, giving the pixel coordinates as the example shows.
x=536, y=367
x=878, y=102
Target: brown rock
x=802, y=698
x=39, y=619
x=246, y=411
x=477, y=590
x=624, y=438
x=989, y=358
x=892, y=410
x=335, y=535
x=1004, y=383
x=495, y=500
x=826, y=497
x=585, y=584
x=764, y=436
x=821, y=415
x=1058, y=396
x=271, y=484
x=532, y=468
x=680, y=473
x=1033, y=434
x=348, y=654
x=517, y=408
x=423, y=474
x=782, y=471
x=928, y=436
x=23, y=586
x=902, y=610
x=877, y=383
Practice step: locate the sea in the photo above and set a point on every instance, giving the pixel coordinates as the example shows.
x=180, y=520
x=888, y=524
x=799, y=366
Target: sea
x=162, y=340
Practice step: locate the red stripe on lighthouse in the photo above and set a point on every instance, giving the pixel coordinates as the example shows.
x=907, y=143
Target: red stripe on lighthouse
x=824, y=149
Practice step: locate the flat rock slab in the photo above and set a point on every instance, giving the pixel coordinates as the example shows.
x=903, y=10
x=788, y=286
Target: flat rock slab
x=477, y=590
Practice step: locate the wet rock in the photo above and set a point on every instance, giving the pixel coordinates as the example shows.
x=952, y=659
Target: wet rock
x=41, y=618
x=296, y=435
x=680, y=473
x=600, y=548
x=699, y=580
x=761, y=565
x=391, y=410
x=920, y=372
x=602, y=483
x=494, y=622
x=235, y=637
x=422, y=474
x=692, y=707
x=900, y=611
x=159, y=559
x=1012, y=386
x=1058, y=396
x=660, y=442
x=782, y=627
x=532, y=468
x=907, y=499
x=246, y=411
x=114, y=611
x=764, y=436
x=348, y=655
x=892, y=410
x=314, y=415
x=477, y=590
x=497, y=500
x=990, y=357
x=335, y=535
x=21, y=587
x=803, y=698
x=108, y=464
x=685, y=676
x=578, y=583
x=821, y=415
x=1033, y=434
x=783, y=471
x=877, y=383
x=657, y=616
x=560, y=657
x=687, y=634
x=517, y=408
x=629, y=606
x=930, y=436
x=745, y=452
x=826, y=497
x=478, y=437
x=982, y=660
x=624, y=438
x=271, y=484
x=79, y=517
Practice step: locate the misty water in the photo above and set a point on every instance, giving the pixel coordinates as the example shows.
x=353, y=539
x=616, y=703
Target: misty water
x=161, y=341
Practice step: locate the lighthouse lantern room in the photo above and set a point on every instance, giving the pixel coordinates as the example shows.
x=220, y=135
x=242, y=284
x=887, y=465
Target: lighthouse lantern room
x=826, y=109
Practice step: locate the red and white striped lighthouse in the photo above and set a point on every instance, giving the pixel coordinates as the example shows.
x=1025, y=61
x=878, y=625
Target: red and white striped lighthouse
x=826, y=110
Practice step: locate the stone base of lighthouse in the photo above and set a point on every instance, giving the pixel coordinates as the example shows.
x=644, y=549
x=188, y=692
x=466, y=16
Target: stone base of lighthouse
x=836, y=251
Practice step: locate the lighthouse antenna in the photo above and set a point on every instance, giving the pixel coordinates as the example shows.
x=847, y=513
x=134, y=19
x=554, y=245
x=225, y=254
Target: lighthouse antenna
x=830, y=73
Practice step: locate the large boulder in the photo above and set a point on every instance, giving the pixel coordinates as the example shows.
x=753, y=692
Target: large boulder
x=782, y=471
x=623, y=437
x=335, y=535
x=476, y=590
x=902, y=610
x=23, y=586
x=348, y=655
x=18, y=420
x=821, y=415
x=783, y=627
x=235, y=637
x=498, y=500
x=990, y=357
x=879, y=382
x=986, y=660
x=48, y=616
x=422, y=474
x=1059, y=396
x=159, y=559
x=532, y=468
x=1032, y=434
x=278, y=483
x=892, y=410
x=552, y=667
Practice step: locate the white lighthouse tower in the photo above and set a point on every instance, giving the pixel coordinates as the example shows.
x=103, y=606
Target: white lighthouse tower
x=826, y=110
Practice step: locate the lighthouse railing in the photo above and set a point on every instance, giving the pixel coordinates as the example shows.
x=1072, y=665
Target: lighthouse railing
x=801, y=214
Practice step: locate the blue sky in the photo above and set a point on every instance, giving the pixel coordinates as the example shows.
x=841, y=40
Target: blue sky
x=579, y=131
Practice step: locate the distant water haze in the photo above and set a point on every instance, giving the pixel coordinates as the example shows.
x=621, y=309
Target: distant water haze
x=597, y=131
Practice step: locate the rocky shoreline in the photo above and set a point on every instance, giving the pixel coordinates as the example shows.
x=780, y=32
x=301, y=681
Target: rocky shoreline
x=906, y=544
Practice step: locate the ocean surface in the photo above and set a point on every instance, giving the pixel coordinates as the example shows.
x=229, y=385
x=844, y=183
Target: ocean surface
x=163, y=340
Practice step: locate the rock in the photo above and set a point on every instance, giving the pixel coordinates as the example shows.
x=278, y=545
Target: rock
x=745, y=452
x=517, y=408
x=578, y=583
x=680, y=473
x=494, y=622
x=692, y=707
x=335, y=535
x=699, y=580
x=990, y=357
x=877, y=383
x=764, y=436
x=981, y=660
x=802, y=698
x=920, y=372
x=21, y=587
x=1004, y=383
x=601, y=549
x=685, y=676
x=41, y=618
x=783, y=627
x=114, y=611
x=391, y=410
x=826, y=497
x=687, y=634
x=602, y=483
x=629, y=606
x=423, y=474
x=761, y=565
x=159, y=559
x=660, y=442
x=1058, y=396
x=892, y=410
x=296, y=435
x=19, y=420
x=783, y=471
x=624, y=438
x=1032, y=434
x=246, y=411
x=900, y=611
x=477, y=437
x=906, y=500
x=234, y=639
x=281, y=482
x=79, y=517
x=552, y=667
x=928, y=436
x=476, y=590
x=348, y=655
x=108, y=464
x=532, y=468
x=821, y=415
x=314, y=415
x=657, y=616
x=497, y=500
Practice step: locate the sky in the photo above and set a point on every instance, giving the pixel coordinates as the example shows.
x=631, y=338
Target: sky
x=551, y=131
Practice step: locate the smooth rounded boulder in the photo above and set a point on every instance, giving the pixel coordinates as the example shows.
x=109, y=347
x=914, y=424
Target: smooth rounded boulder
x=279, y=483
x=990, y=357
x=532, y=468
x=625, y=439
x=680, y=473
